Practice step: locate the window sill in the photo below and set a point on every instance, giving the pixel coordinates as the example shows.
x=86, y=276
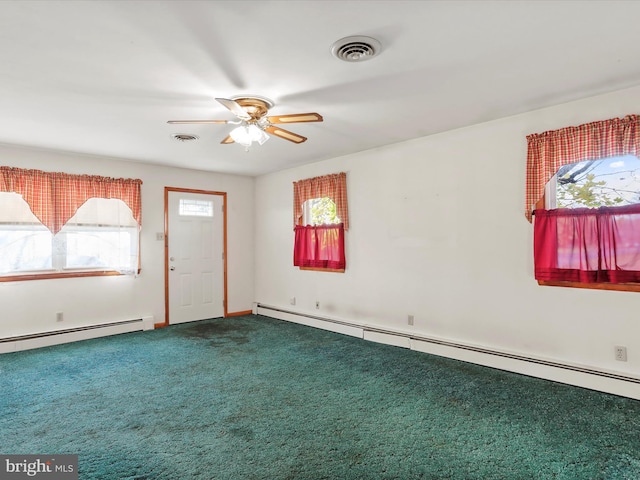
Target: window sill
x=317, y=269
x=48, y=276
x=621, y=287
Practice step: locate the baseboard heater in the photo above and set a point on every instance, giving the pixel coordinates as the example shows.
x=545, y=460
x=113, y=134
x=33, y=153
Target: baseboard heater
x=55, y=337
x=409, y=340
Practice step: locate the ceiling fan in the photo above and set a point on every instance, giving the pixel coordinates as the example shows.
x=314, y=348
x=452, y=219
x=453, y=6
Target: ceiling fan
x=253, y=121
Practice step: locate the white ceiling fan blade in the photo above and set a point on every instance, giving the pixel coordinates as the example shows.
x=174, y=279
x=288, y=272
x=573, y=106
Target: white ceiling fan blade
x=235, y=108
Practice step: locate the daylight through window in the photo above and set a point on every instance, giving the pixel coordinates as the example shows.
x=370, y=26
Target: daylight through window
x=319, y=211
x=195, y=208
x=607, y=182
x=102, y=235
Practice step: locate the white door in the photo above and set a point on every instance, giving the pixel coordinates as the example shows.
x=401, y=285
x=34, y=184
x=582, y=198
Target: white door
x=195, y=250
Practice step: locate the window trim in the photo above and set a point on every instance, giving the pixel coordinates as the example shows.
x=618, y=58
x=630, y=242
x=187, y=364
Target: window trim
x=57, y=275
x=620, y=287
x=318, y=269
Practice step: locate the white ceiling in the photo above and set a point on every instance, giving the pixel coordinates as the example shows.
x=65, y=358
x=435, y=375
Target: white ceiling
x=103, y=77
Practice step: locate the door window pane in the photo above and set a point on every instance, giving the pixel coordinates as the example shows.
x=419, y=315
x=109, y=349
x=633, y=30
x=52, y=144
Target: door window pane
x=195, y=208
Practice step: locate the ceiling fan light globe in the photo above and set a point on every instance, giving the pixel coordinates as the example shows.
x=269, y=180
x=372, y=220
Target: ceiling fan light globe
x=241, y=135
x=247, y=134
x=260, y=136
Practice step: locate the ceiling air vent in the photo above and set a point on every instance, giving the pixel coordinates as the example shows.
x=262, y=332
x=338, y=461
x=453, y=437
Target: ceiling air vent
x=184, y=137
x=355, y=49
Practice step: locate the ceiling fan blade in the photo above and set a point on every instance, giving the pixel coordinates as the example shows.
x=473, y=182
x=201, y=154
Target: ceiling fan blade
x=235, y=108
x=296, y=118
x=286, y=134
x=224, y=122
x=227, y=140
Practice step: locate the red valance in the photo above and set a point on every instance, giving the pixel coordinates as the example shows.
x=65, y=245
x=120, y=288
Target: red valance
x=55, y=197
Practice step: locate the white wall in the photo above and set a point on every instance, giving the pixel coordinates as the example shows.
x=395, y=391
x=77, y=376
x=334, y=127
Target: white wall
x=437, y=230
x=30, y=306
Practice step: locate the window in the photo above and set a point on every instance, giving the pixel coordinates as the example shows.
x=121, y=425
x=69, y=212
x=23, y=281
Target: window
x=320, y=220
x=606, y=182
x=195, y=208
x=102, y=235
x=54, y=225
x=25, y=244
x=319, y=211
x=585, y=184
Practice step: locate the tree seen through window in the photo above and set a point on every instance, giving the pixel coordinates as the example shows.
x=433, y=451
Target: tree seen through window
x=320, y=211
x=613, y=181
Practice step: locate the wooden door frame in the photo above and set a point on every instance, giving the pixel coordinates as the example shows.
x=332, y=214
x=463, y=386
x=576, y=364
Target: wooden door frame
x=166, y=247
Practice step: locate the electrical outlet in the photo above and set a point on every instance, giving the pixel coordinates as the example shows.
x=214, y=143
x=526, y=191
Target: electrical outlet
x=317, y=305
x=59, y=316
x=621, y=353
x=410, y=320
x=292, y=300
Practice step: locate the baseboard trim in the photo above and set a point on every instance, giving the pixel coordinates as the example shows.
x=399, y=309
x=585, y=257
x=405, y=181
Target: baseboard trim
x=17, y=343
x=577, y=375
x=66, y=330
x=336, y=326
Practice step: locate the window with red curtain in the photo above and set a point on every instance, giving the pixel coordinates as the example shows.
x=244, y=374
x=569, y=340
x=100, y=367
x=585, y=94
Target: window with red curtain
x=592, y=247
x=320, y=247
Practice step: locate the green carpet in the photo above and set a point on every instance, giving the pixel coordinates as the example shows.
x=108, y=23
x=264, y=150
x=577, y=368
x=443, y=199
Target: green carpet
x=257, y=398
